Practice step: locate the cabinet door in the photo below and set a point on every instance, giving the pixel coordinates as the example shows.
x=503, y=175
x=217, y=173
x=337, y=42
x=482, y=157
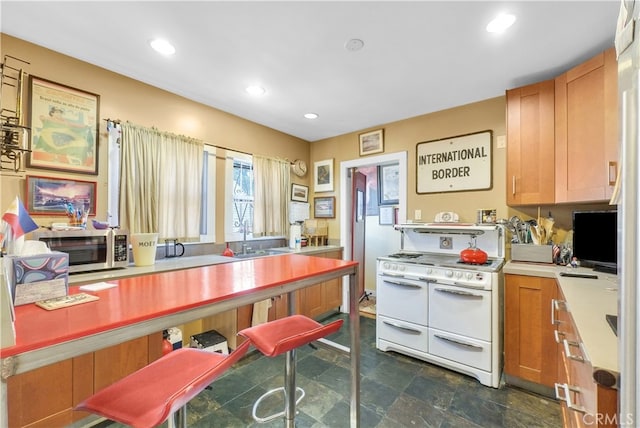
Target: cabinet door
x=35, y=401
x=530, y=144
x=115, y=362
x=530, y=348
x=587, y=130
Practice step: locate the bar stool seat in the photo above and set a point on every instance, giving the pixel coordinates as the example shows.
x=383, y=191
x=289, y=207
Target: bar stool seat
x=284, y=335
x=149, y=396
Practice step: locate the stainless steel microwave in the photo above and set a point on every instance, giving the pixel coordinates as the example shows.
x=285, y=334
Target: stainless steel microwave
x=89, y=250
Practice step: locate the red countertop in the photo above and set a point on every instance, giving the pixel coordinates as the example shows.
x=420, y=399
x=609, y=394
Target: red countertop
x=146, y=297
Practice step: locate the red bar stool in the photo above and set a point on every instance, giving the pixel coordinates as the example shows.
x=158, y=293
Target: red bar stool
x=280, y=336
x=149, y=396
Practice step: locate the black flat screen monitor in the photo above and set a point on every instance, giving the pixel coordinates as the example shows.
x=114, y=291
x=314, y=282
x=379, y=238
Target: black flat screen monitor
x=595, y=239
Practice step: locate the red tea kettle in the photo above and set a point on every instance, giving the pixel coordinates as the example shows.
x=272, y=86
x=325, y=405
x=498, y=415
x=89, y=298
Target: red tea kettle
x=473, y=254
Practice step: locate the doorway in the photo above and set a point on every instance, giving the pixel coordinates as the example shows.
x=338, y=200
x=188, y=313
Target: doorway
x=346, y=231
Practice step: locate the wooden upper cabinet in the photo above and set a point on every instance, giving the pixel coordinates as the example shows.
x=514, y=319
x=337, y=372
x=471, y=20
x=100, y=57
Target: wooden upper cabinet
x=530, y=144
x=586, y=131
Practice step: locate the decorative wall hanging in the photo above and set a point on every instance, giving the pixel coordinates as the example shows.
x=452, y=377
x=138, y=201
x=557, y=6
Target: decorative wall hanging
x=388, y=184
x=323, y=177
x=324, y=207
x=455, y=164
x=299, y=193
x=64, y=128
x=52, y=196
x=371, y=142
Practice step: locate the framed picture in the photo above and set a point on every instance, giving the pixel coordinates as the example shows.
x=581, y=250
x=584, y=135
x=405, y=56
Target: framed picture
x=324, y=207
x=323, y=176
x=299, y=193
x=50, y=196
x=387, y=216
x=64, y=128
x=388, y=184
x=465, y=163
x=371, y=142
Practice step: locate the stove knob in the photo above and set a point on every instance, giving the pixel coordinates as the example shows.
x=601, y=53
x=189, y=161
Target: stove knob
x=469, y=275
x=401, y=268
x=449, y=273
x=394, y=266
x=385, y=265
x=458, y=274
x=429, y=270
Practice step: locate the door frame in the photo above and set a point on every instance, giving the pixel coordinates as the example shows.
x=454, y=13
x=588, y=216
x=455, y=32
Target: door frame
x=345, y=203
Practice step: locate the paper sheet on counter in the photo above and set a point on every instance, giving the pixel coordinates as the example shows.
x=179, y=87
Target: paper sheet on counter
x=97, y=286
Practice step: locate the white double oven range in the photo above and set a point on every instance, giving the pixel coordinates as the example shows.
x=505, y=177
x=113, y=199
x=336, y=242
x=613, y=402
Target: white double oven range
x=432, y=306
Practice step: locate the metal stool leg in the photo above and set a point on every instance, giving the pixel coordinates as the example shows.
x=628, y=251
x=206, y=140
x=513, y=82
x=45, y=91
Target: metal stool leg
x=290, y=401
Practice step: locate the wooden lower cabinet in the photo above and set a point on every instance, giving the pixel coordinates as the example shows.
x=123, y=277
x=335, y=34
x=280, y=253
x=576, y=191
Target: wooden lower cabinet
x=312, y=301
x=584, y=402
x=530, y=350
x=45, y=397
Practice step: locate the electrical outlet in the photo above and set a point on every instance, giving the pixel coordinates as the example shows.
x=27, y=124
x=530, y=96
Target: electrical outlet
x=501, y=142
x=418, y=215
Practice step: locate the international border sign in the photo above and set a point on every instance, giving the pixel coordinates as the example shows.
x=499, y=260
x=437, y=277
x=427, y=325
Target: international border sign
x=455, y=164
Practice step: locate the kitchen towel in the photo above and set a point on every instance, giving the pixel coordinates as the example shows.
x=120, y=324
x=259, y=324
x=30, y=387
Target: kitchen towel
x=260, y=312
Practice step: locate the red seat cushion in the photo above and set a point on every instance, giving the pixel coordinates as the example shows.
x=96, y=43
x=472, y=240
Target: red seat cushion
x=282, y=335
x=148, y=396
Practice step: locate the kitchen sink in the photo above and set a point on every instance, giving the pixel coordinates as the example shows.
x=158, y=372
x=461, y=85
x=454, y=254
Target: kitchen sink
x=260, y=253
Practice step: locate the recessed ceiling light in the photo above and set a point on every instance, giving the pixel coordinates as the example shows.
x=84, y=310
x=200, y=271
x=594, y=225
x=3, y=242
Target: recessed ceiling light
x=162, y=46
x=255, y=90
x=501, y=23
x=311, y=115
x=354, y=45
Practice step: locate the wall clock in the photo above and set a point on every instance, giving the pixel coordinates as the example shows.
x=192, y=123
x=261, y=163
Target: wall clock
x=299, y=167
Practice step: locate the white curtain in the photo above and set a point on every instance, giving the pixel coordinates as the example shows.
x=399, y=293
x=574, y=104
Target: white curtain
x=160, y=183
x=272, y=194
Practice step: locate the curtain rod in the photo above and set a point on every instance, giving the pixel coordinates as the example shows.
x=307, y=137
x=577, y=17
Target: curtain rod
x=118, y=121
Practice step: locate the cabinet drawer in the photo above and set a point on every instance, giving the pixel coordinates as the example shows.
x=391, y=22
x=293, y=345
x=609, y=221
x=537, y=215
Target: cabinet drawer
x=403, y=333
x=472, y=352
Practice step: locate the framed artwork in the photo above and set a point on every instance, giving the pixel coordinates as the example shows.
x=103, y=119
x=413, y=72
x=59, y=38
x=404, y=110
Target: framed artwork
x=324, y=207
x=455, y=164
x=323, y=177
x=371, y=142
x=64, y=128
x=51, y=196
x=388, y=184
x=299, y=193
x=387, y=215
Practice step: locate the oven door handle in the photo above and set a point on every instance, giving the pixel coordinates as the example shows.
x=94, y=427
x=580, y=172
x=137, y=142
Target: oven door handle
x=459, y=342
x=402, y=284
x=402, y=327
x=459, y=293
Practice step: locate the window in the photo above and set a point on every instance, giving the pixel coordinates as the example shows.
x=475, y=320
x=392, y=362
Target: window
x=240, y=193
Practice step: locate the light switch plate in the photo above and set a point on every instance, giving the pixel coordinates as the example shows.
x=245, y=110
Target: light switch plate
x=418, y=215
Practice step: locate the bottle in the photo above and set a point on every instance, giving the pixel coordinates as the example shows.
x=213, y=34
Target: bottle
x=298, y=243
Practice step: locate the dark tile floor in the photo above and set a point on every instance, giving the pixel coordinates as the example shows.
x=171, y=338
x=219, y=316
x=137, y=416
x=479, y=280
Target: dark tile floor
x=396, y=391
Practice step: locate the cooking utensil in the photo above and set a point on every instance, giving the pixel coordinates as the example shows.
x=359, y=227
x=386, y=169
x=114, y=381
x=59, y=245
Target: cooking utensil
x=473, y=254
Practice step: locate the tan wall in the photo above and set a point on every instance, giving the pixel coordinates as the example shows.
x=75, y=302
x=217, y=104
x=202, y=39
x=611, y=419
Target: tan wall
x=126, y=99
x=404, y=135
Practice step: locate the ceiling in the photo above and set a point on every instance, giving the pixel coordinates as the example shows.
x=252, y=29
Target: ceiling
x=418, y=57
